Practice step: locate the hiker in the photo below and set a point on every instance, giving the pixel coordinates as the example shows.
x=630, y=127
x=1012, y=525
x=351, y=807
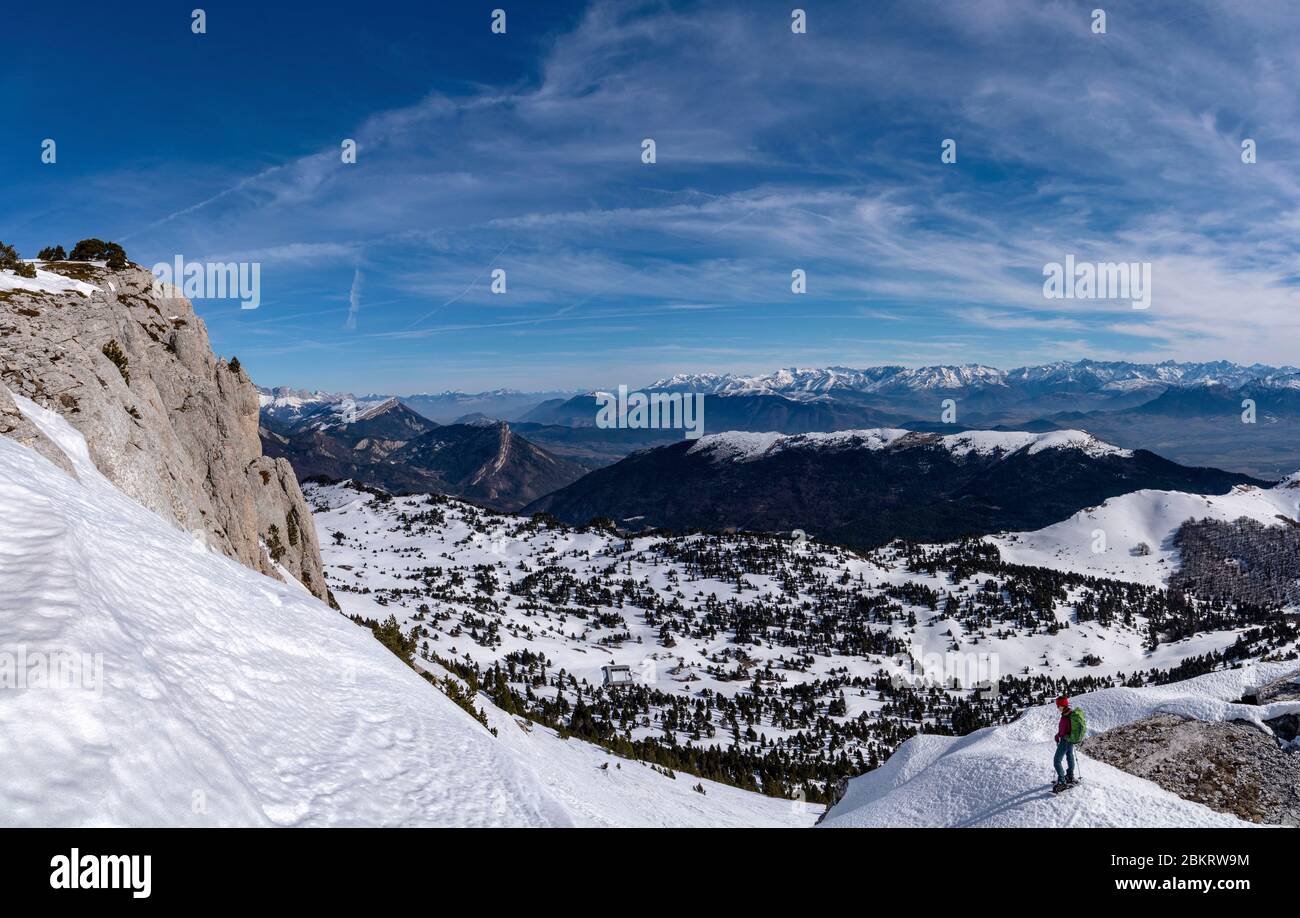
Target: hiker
x=1069, y=731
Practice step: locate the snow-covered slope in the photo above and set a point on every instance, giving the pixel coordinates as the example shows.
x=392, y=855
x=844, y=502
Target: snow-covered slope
x=226, y=698
x=602, y=790
x=1142, y=517
x=1001, y=776
x=202, y=693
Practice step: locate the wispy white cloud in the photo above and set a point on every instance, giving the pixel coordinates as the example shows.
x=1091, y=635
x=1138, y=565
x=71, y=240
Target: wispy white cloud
x=819, y=152
x=354, y=301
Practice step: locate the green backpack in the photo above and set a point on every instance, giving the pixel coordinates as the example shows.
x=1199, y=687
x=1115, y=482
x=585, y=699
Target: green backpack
x=1078, y=725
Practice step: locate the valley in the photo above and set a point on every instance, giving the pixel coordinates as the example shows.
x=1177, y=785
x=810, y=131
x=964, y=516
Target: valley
x=776, y=665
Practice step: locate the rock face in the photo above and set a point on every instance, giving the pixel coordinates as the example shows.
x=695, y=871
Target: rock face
x=1230, y=767
x=165, y=420
x=1286, y=688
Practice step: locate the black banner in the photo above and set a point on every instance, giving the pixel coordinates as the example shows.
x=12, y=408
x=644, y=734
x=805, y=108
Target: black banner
x=988, y=868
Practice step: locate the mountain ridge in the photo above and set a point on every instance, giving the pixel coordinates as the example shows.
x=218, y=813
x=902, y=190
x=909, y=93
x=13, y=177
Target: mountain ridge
x=864, y=488
x=1080, y=375
x=390, y=446
x=1077, y=375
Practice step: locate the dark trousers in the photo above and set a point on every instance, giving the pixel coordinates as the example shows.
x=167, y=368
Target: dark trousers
x=1064, y=750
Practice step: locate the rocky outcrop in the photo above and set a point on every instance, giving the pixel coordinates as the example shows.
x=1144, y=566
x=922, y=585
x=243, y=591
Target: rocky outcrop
x=1284, y=688
x=165, y=420
x=1230, y=767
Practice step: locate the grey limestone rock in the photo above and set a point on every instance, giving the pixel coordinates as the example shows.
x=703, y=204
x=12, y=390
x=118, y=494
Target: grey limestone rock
x=165, y=420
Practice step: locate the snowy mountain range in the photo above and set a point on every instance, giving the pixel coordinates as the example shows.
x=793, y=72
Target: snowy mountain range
x=288, y=407
x=297, y=409
x=1077, y=377
x=1191, y=413
x=1062, y=376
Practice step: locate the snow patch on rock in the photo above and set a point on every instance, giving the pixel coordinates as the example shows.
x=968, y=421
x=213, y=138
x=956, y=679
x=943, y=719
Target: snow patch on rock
x=45, y=282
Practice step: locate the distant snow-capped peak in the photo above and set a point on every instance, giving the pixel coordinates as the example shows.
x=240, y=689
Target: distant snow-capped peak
x=350, y=410
x=284, y=397
x=322, y=409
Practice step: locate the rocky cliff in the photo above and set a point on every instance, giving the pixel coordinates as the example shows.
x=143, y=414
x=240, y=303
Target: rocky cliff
x=1231, y=767
x=168, y=422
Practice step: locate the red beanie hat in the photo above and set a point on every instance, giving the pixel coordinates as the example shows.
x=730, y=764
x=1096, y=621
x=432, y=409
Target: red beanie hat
x=1063, y=702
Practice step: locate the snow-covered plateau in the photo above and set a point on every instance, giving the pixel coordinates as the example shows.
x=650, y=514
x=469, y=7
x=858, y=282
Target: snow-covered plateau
x=743, y=446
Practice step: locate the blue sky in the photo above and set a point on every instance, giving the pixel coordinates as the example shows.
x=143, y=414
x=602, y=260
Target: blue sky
x=775, y=151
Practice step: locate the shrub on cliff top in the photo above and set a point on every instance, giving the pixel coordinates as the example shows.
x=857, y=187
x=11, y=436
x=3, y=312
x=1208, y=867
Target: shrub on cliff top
x=10, y=260
x=99, y=250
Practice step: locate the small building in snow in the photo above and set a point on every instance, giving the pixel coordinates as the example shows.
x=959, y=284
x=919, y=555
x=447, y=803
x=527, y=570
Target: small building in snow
x=616, y=674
